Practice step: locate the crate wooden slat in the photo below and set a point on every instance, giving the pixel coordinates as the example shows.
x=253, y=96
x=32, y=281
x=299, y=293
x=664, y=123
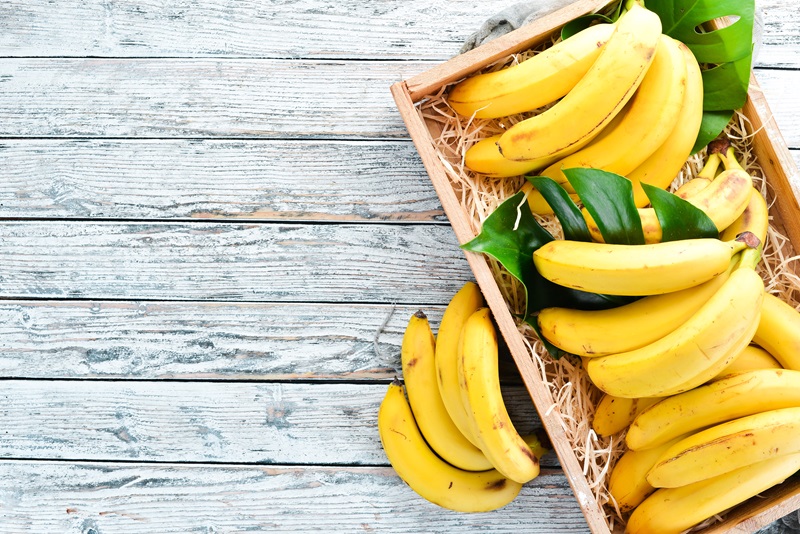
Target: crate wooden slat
x=772, y=154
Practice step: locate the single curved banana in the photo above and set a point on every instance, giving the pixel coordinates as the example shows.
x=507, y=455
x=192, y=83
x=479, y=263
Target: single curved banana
x=696, y=351
x=606, y=87
x=728, y=398
x=728, y=446
x=649, y=118
x=674, y=510
x=533, y=83
x=419, y=375
x=628, y=327
x=779, y=331
x=752, y=358
x=628, y=483
x=663, y=165
x=428, y=475
x=614, y=414
x=480, y=386
x=484, y=157
x=464, y=303
x=754, y=218
x=634, y=270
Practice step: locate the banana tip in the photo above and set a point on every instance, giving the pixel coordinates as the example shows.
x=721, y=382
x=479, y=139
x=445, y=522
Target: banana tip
x=749, y=238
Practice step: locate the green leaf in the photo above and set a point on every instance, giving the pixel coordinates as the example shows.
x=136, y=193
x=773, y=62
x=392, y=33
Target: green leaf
x=679, y=219
x=712, y=125
x=581, y=23
x=572, y=222
x=608, y=198
x=719, y=93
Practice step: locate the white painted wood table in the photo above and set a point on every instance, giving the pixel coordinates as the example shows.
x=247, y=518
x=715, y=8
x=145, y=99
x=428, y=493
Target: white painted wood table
x=208, y=211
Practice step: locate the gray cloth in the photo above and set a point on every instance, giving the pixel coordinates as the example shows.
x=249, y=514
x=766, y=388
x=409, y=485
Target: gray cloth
x=520, y=14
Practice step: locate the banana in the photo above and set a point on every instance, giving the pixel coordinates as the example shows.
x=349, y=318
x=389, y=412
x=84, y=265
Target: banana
x=628, y=483
x=484, y=157
x=728, y=398
x=697, y=350
x=754, y=218
x=752, y=358
x=635, y=270
x=728, y=446
x=614, y=414
x=464, y=303
x=661, y=168
x=480, y=388
x=627, y=327
x=674, y=510
x=779, y=331
x=428, y=475
x=606, y=87
x=419, y=375
x=533, y=83
x=649, y=118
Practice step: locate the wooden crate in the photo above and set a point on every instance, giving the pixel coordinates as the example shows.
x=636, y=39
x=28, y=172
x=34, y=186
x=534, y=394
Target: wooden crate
x=772, y=155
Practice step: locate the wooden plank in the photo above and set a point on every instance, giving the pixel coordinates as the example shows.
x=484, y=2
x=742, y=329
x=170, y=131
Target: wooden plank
x=146, y=499
x=199, y=98
x=181, y=179
x=386, y=263
x=266, y=423
x=235, y=98
x=207, y=340
x=273, y=29
x=308, y=29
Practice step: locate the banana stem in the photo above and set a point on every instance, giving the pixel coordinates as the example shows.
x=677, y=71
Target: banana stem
x=709, y=171
x=730, y=161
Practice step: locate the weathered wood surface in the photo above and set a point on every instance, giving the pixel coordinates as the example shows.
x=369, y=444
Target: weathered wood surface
x=243, y=98
x=412, y=264
x=305, y=29
x=198, y=179
x=146, y=499
x=280, y=423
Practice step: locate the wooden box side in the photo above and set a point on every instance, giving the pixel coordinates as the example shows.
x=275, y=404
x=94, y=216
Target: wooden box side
x=772, y=154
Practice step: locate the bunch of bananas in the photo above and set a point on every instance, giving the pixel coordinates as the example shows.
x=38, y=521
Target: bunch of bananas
x=622, y=97
x=451, y=440
x=701, y=374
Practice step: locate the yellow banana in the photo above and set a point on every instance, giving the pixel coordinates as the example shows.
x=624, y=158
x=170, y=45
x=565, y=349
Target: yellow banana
x=484, y=157
x=728, y=446
x=674, y=510
x=628, y=483
x=606, y=87
x=614, y=414
x=779, y=331
x=428, y=475
x=663, y=165
x=754, y=218
x=533, y=83
x=419, y=375
x=694, y=352
x=752, y=358
x=722, y=400
x=464, y=303
x=649, y=118
x=634, y=269
x=627, y=327
x=480, y=386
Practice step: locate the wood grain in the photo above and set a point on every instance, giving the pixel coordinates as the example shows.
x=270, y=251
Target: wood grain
x=146, y=499
x=238, y=98
x=265, y=423
x=388, y=263
x=304, y=29
x=219, y=179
